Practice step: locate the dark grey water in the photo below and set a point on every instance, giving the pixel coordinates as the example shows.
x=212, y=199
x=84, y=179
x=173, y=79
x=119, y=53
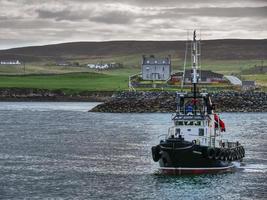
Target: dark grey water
x=58, y=150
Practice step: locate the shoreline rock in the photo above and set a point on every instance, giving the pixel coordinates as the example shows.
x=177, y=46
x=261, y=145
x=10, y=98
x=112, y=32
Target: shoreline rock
x=26, y=94
x=144, y=102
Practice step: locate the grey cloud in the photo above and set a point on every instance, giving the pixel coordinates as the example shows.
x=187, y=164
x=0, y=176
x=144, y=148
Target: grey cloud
x=113, y=18
x=108, y=17
x=218, y=12
x=39, y=22
x=152, y=3
x=61, y=15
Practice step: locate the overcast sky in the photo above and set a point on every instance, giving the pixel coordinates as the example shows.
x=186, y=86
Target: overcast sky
x=39, y=22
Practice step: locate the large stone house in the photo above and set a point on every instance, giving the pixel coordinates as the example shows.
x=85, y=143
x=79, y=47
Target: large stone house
x=156, y=68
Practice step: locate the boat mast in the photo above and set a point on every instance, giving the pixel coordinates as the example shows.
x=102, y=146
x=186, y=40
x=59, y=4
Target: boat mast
x=194, y=67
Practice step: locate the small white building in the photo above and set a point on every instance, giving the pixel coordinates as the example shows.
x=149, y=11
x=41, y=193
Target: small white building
x=103, y=65
x=10, y=62
x=248, y=85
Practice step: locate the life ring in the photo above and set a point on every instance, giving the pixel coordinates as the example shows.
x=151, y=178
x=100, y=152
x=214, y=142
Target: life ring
x=155, y=153
x=211, y=153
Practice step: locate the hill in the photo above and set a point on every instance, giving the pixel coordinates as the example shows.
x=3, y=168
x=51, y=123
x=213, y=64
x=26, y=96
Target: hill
x=227, y=49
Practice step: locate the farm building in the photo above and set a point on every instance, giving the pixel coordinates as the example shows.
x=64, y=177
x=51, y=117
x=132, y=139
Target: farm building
x=248, y=85
x=205, y=76
x=104, y=65
x=10, y=62
x=156, y=68
x=63, y=63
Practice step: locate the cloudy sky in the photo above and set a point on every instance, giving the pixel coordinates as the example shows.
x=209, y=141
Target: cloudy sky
x=39, y=22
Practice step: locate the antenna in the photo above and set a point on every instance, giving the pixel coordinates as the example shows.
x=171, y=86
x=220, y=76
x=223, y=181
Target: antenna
x=194, y=59
x=185, y=58
x=199, y=55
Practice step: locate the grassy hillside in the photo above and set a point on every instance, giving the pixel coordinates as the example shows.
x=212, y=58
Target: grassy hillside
x=211, y=49
x=223, y=56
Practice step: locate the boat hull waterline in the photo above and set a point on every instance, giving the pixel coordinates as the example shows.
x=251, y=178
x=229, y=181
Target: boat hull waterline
x=196, y=171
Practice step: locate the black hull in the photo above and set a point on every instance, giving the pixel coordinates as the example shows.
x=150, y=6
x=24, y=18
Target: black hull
x=177, y=156
x=191, y=157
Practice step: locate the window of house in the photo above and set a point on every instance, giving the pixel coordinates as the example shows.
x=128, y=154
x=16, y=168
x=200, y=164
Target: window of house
x=163, y=69
x=147, y=76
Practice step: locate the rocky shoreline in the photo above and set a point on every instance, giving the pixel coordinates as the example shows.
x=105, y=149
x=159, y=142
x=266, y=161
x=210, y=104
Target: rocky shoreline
x=22, y=94
x=165, y=102
x=139, y=102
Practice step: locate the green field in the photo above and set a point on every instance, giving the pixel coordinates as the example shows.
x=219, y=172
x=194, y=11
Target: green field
x=261, y=79
x=73, y=81
x=48, y=76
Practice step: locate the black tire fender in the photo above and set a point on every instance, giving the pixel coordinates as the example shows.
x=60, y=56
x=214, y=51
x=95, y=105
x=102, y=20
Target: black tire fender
x=155, y=153
x=211, y=153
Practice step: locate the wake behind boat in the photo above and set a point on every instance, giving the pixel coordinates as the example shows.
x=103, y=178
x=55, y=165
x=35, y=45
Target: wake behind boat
x=195, y=143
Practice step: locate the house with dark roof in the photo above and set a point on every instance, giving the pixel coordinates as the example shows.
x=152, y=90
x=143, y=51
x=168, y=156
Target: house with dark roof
x=205, y=76
x=156, y=68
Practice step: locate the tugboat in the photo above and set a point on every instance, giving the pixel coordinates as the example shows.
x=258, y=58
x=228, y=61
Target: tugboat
x=195, y=144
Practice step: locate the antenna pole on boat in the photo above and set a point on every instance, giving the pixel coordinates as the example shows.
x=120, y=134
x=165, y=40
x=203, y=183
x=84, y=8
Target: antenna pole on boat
x=185, y=57
x=194, y=67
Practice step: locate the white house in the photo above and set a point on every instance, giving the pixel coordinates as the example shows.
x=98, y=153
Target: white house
x=10, y=62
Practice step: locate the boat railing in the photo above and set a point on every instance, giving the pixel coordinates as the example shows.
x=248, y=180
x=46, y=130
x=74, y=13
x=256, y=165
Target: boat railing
x=162, y=136
x=180, y=116
x=226, y=144
x=191, y=112
x=171, y=132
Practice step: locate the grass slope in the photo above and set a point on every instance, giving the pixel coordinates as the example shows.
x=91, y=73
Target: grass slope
x=226, y=49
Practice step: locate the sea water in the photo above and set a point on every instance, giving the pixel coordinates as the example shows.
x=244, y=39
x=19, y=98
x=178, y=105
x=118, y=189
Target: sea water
x=61, y=151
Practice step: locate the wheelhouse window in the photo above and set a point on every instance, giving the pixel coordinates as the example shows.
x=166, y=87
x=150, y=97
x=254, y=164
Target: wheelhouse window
x=177, y=131
x=190, y=123
x=197, y=123
x=201, y=132
x=179, y=123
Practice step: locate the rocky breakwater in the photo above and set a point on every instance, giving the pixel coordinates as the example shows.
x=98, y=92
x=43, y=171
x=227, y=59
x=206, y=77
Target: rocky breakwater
x=35, y=94
x=241, y=101
x=165, y=102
